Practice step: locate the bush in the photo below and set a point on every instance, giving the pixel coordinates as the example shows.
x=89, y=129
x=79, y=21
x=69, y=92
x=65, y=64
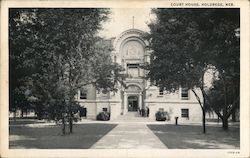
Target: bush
x=103, y=116
x=167, y=116
x=160, y=116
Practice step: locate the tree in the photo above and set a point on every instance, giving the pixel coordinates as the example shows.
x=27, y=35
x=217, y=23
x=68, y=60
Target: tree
x=63, y=55
x=223, y=101
x=183, y=50
x=225, y=41
x=19, y=39
x=107, y=74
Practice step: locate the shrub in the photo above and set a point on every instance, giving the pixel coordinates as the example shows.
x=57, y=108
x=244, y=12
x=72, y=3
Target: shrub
x=103, y=116
x=167, y=116
x=160, y=116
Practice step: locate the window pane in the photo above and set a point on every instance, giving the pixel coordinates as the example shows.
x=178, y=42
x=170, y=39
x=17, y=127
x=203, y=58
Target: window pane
x=161, y=91
x=184, y=93
x=185, y=113
x=83, y=94
x=133, y=70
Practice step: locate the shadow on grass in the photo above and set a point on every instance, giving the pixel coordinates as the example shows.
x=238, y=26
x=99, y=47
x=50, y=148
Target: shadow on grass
x=49, y=137
x=24, y=121
x=191, y=137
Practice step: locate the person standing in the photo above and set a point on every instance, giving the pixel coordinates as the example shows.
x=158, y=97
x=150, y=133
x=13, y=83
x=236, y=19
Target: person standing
x=147, y=111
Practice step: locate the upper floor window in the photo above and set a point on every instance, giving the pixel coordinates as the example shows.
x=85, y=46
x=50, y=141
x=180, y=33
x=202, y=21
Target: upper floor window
x=161, y=91
x=83, y=94
x=184, y=93
x=133, y=70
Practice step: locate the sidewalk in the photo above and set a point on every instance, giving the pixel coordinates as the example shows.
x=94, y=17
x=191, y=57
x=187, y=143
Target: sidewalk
x=42, y=123
x=129, y=136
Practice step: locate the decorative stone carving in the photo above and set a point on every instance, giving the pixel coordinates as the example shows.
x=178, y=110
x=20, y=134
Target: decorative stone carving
x=133, y=88
x=133, y=50
x=135, y=33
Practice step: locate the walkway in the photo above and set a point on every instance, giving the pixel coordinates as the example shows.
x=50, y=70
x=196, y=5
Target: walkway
x=129, y=136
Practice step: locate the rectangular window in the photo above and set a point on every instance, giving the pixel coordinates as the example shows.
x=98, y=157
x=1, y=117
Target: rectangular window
x=184, y=93
x=161, y=109
x=161, y=91
x=105, y=109
x=185, y=113
x=83, y=94
x=133, y=70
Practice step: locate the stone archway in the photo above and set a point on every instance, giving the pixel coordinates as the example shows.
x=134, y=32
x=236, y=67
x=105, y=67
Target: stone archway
x=130, y=50
x=132, y=98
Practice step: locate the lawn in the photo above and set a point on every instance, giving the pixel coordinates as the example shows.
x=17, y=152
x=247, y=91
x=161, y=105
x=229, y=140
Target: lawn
x=191, y=137
x=25, y=121
x=50, y=137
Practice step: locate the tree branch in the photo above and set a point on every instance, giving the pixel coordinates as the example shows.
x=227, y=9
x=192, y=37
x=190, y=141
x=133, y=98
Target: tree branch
x=234, y=105
x=198, y=99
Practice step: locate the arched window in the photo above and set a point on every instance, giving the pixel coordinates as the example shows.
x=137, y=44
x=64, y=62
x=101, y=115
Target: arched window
x=133, y=88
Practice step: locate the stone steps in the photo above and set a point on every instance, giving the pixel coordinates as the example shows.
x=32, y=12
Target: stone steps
x=132, y=117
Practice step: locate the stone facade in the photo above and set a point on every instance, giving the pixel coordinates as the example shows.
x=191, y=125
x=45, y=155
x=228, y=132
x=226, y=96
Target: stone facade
x=130, y=51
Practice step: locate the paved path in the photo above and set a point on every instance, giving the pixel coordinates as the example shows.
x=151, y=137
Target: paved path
x=129, y=136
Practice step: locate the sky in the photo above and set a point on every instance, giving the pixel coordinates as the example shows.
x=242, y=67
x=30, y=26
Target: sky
x=121, y=20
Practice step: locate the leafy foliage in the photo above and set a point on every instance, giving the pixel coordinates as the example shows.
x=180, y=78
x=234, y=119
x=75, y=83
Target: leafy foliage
x=62, y=52
x=188, y=42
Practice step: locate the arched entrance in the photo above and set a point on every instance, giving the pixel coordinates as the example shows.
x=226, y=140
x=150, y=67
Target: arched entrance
x=132, y=103
x=130, y=51
x=132, y=98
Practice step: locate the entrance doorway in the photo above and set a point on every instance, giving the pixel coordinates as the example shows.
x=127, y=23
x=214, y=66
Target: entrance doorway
x=132, y=103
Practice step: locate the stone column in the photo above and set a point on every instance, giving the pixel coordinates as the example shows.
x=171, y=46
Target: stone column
x=78, y=94
x=152, y=111
x=113, y=111
x=125, y=104
x=140, y=100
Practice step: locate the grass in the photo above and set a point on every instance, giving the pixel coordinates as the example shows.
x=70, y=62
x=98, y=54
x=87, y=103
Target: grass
x=191, y=137
x=24, y=121
x=50, y=137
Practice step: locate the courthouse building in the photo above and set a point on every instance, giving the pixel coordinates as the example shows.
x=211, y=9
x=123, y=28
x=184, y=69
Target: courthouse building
x=130, y=51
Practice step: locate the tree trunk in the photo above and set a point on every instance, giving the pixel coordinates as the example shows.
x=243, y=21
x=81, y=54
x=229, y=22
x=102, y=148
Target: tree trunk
x=204, y=120
x=204, y=105
x=63, y=125
x=70, y=124
x=225, y=123
x=22, y=113
x=203, y=112
x=234, y=115
x=26, y=113
x=234, y=109
x=225, y=108
x=15, y=115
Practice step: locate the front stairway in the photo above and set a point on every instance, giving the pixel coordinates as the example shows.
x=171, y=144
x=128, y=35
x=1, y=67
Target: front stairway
x=132, y=117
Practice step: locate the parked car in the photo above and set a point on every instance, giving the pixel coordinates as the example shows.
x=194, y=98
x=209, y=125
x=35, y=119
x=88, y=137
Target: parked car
x=103, y=116
x=160, y=116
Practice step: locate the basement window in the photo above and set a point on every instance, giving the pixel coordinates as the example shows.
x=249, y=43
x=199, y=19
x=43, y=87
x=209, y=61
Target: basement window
x=105, y=109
